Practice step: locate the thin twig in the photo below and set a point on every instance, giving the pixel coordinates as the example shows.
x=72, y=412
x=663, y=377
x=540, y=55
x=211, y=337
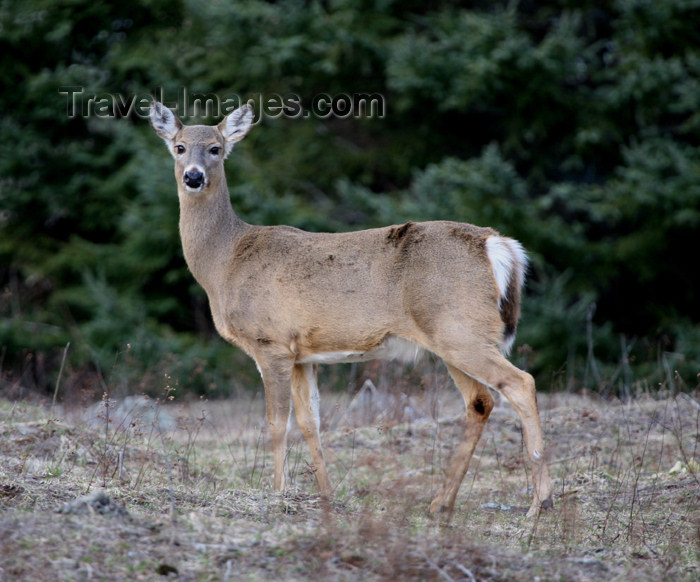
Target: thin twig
x=58, y=380
x=690, y=400
x=589, y=337
x=464, y=571
x=121, y=465
x=171, y=489
x=437, y=568
x=229, y=569
x=105, y=398
x=169, y=470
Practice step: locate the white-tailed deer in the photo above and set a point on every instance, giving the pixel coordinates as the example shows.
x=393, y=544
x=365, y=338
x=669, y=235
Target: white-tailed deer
x=293, y=299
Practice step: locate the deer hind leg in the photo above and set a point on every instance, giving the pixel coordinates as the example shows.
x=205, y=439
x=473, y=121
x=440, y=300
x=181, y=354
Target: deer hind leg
x=306, y=407
x=522, y=395
x=518, y=387
x=277, y=379
x=479, y=402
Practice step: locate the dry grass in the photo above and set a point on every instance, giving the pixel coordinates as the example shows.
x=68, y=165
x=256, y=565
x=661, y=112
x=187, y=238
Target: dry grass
x=195, y=481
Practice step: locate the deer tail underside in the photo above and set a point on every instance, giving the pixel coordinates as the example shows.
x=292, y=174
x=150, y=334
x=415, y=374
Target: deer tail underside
x=509, y=263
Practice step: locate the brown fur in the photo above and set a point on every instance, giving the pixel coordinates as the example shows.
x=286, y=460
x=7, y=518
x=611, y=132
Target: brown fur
x=286, y=296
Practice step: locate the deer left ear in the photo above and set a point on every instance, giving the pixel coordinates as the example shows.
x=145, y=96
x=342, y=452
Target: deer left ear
x=236, y=125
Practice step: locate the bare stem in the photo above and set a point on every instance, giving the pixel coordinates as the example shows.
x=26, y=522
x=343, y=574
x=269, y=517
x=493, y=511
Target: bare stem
x=58, y=380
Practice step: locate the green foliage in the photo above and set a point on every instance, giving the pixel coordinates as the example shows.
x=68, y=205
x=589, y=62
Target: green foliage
x=486, y=189
x=572, y=126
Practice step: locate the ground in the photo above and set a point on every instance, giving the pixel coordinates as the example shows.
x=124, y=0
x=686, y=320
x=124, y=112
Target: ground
x=144, y=490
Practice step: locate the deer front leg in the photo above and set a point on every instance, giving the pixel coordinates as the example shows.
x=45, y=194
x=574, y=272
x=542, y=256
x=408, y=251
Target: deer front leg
x=479, y=403
x=277, y=379
x=306, y=407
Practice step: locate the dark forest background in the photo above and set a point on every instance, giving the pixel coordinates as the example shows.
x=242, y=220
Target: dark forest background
x=571, y=126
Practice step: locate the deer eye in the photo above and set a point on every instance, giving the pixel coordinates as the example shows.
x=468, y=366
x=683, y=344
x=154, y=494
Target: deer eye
x=215, y=151
x=180, y=149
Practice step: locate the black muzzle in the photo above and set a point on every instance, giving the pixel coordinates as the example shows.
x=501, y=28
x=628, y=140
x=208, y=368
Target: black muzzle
x=194, y=179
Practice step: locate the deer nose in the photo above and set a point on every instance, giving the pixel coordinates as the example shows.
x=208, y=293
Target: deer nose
x=194, y=178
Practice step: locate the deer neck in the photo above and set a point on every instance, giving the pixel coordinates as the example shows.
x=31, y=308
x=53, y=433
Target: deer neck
x=209, y=229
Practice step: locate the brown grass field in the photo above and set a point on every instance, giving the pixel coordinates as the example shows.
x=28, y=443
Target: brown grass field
x=139, y=489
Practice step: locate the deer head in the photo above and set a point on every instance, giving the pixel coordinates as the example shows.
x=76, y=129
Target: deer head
x=200, y=150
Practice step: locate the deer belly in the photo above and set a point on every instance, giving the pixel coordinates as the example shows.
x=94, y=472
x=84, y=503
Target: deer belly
x=392, y=348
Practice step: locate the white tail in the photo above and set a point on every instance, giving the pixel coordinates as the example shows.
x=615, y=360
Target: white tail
x=509, y=263
x=293, y=299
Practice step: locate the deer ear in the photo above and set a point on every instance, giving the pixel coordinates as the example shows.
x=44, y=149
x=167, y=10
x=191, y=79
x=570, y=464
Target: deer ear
x=236, y=125
x=164, y=122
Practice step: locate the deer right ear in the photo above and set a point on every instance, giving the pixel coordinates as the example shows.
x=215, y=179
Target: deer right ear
x=164, y=122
